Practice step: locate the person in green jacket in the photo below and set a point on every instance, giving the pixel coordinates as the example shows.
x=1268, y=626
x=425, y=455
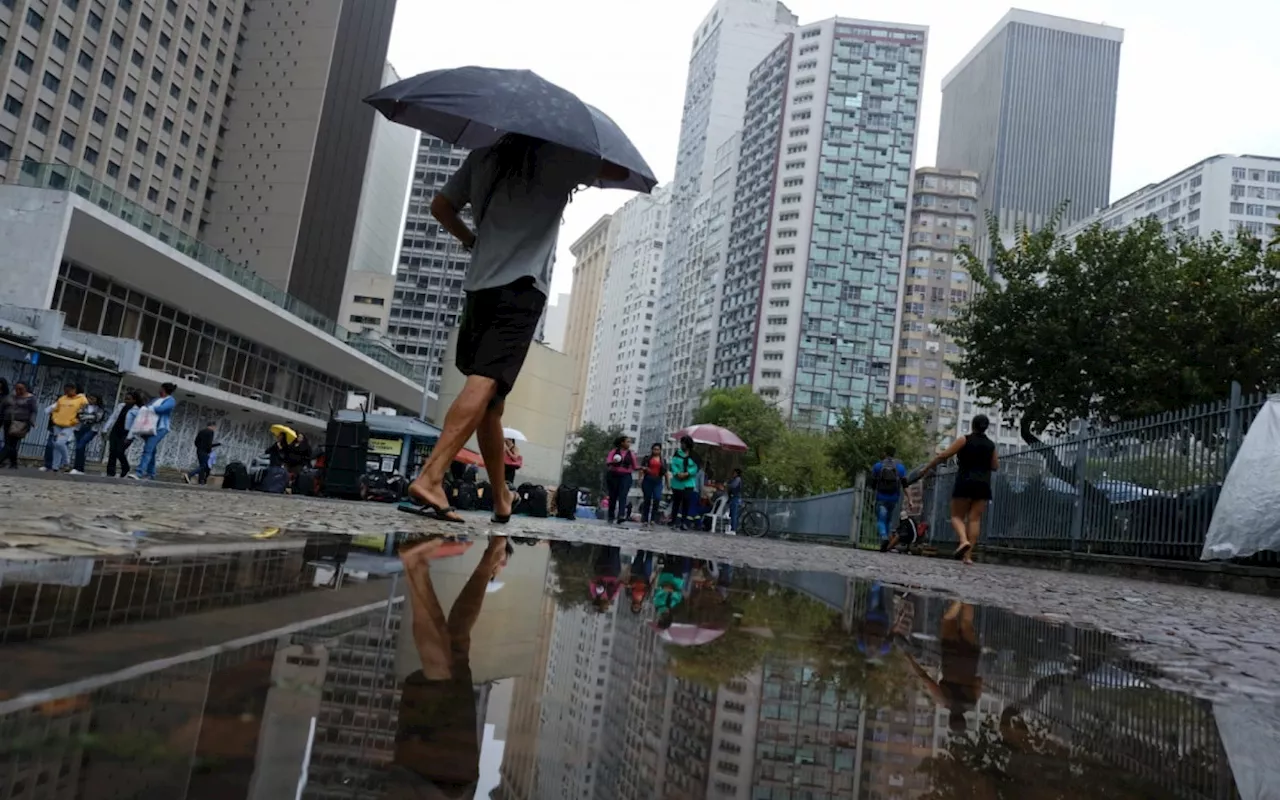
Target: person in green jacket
x=683, y=472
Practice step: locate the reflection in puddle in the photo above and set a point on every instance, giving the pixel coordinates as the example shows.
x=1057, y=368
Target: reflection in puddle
x=315, y=669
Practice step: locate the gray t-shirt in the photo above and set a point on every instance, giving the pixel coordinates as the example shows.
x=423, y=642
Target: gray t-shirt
x=516, y=230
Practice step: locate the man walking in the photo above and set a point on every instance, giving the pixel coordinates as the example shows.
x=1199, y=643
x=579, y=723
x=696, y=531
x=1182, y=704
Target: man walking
x=204, y=451
x=887, y=476
x=517, y=190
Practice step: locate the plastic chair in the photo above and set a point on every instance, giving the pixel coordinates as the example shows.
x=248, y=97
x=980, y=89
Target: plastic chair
x=720, y=516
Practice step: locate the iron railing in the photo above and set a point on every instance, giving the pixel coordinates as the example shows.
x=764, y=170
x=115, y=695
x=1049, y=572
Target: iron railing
x=69, y=179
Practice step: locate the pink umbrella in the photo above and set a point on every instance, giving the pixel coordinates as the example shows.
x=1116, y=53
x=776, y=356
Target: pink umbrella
x=712, y=435
x=687, y=635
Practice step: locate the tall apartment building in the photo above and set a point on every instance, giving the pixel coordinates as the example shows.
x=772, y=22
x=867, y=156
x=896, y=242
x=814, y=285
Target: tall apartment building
x=944, y=216
x=623, y=341
x=809, y=309
x=728, y=44
x=1032, y=109
x=591, y=255
x=1220, y=194
x=428, y=296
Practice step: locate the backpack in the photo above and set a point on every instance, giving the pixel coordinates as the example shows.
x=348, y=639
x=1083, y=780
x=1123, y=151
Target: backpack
x=484, y=496
x=464, y=497
x=567, y=502
x=533, y=500
x=887, y=480
x=235, y=476
x=307, y=483
x=275, y=481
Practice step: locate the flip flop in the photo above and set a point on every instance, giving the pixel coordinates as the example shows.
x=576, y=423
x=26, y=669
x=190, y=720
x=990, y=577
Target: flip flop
x=430, y=511
x=500, y=519
x=961, y=551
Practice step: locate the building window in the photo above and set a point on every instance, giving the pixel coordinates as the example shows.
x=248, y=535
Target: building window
x=51, y=81
x=23, y=62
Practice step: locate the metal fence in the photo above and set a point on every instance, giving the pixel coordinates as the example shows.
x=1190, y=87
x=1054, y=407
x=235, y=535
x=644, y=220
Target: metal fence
x=1146, y=488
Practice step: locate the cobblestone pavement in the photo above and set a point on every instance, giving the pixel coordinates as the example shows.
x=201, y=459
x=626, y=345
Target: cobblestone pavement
x=1218, y=643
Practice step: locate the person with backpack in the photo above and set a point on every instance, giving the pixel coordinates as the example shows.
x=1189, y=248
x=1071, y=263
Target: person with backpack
x=621, y=466
x=151, y=424
x=652, y=482
x=887, y=476
x=683, y=476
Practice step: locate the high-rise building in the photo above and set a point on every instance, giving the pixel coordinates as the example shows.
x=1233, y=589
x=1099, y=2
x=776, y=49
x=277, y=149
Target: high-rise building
x=554, y=324
x=623, y=342
x=809, y=308
x=944, y=216
x=1032, y=109
x=1220, y=194
x=296, y=142
x=130, y=94
x=591, y=254
x=727, y=46
x=428, y=294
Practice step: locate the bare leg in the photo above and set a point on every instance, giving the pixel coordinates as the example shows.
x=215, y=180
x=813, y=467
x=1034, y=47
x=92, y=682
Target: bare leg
x=430, y=629
x=959, y=513
x=489, y=434
x=974, y=524
x=466, y=609
x=464, y=417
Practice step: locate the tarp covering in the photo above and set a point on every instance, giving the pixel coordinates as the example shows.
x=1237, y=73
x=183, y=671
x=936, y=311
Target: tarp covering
x=1249, y=731
x=1247, y=518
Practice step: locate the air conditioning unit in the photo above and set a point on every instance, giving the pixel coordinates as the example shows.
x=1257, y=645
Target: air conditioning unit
x=192, y=377
x=256, y=396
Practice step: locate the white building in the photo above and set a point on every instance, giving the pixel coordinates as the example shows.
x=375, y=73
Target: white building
x=555, y=322
x=727, y=46
x=623, y=342
x=1220, y=194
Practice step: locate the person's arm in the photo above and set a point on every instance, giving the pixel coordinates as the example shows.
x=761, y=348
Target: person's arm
x=944, y=455
x=995, y=461
x=447, y=206
x=166, y=405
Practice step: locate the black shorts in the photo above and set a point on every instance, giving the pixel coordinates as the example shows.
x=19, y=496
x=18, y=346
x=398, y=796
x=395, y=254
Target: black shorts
x=969, y=489
x=498, y=325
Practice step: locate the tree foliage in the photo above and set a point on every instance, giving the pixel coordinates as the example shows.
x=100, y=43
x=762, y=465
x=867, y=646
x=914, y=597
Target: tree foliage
x=858, y=441
x=798, y=465
x=750, y=416
x=1119, y=323
x=584, y=466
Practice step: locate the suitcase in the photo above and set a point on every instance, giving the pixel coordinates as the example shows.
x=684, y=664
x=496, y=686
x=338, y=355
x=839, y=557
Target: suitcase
x=484, y=496
x=567, y=502
x=275, y=481
x=235, y=476
x=306, y=483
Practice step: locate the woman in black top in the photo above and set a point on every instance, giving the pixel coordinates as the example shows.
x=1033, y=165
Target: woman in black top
x=977, y=458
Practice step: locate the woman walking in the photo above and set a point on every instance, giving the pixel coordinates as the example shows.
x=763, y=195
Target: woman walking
x=162, y=407
x=977, y=458
x=621, y=465
x=88, y=425
x=117, y=430
x=17, y=413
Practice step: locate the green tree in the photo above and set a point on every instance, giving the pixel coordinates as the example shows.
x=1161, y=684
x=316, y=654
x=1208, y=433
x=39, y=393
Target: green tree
x=584, y=466
x=1118, y=324
x=747, y=414
x=858, y=441
x=797, y=466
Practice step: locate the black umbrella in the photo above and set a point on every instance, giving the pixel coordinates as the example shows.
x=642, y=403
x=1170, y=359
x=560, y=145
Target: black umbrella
x=474, y=106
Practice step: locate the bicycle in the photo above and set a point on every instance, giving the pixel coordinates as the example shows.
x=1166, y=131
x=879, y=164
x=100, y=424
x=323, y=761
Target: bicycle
x=752, y=522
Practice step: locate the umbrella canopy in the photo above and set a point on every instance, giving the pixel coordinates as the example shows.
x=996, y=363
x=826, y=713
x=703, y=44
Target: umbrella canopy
x=512, y=433
x=467, y=457
x=289, y=433
x=712, y=435
x=687, y=635
x=474, y=106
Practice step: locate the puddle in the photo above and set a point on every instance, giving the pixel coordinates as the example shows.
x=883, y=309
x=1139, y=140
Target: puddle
x=322, y=667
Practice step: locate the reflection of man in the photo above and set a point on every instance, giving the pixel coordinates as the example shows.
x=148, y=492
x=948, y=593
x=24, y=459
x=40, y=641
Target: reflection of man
x=437, y=745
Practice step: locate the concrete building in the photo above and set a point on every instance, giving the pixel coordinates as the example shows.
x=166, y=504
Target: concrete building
x=623, y=340
x=1032, y=109
x=554, y=325
x=380, y=219
x=727, y=46
x=809, y=308
x=1220, y=194
x=591, y=254
x=428, y=298
x=944, y=216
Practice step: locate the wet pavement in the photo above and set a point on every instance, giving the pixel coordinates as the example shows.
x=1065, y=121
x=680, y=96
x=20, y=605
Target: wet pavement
x=317, y=665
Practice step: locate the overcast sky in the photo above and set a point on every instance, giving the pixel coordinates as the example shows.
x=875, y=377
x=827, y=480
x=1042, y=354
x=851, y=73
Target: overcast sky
x=1197, y=78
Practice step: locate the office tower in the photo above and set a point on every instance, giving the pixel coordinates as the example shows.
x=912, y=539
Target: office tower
x=1032, y=110
x=590, y=254
x=428, y=295
x=297, y=140
x=554, y=324
x=728, y=44
x=809, y=308
x=131, y=93
x=944, y=216
x=1220, y=194
x=623, y=341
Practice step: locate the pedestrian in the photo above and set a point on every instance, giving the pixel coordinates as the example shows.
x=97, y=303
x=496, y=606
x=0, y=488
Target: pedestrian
x=734, y=489
x=297, y=456
x=652, y=481
x=517, y=190
x=683, y=477
x=511, y=460
x=117, y=430
x=17, y=412
x=154, y=427
x=887, y=477
x=88, y=426
x=204, y=453
x=620, y=466
x=976, y=458
x=64, y=416
x=278, y=453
